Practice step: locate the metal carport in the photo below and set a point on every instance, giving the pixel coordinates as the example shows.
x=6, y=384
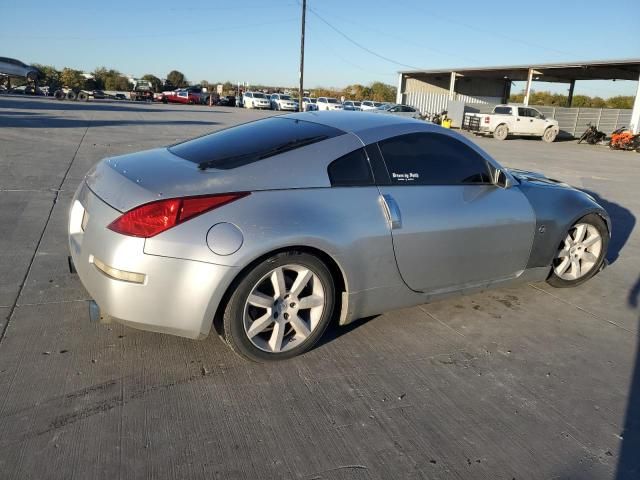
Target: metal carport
x=494, y=83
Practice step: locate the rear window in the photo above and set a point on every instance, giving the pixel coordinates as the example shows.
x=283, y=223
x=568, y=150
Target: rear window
x=251, y=142
x=502, y=110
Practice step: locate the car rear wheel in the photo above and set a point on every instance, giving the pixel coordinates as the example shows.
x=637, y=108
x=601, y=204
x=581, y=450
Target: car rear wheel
x=581, y=254
x=501, y=132
x=281, y=308
x=550, y=135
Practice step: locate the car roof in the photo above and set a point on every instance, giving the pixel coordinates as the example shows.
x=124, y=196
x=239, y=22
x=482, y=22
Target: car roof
x=356, y=122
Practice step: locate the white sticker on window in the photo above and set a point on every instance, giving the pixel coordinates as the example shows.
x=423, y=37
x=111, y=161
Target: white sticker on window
x=405, y=177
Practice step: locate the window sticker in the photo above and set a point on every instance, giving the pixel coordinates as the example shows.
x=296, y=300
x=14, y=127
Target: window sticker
x=405, y=177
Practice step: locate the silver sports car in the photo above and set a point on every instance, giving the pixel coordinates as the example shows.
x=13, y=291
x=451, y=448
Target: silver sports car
x=269, y=229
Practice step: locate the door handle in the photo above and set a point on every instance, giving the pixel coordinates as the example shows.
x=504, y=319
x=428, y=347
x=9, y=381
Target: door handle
x=392, y=211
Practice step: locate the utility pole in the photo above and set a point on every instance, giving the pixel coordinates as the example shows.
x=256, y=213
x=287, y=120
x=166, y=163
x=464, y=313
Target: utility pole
x=301, y=92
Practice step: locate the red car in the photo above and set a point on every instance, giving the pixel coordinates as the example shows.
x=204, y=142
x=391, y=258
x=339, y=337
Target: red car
x=180, y=96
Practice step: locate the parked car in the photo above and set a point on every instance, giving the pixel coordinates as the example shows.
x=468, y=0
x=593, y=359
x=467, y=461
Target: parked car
x=352, y=105
x=309, y=104
x=15, y=68
x=120, y=96
x=508, y=120
x=281, y=101
x=226, y=101
x=369, y=105
x=328, y=103
x=161, y=245
x=256, y=100
x=99, y=94
x=396, y=109
x=183, y=96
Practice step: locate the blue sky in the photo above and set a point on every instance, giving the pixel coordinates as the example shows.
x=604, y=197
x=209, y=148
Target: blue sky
x=258, y=42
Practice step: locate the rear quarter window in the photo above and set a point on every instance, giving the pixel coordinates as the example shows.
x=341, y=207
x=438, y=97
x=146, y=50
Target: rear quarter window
x=351, y=170
x=502, y=110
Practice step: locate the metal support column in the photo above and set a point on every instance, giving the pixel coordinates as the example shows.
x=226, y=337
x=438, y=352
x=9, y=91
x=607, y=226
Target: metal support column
x=572, y=85
x=527, y=90
x=452, y=86
x=635, y=113
x=400, y=93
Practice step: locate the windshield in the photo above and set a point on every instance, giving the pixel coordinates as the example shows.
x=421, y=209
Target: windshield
x=313, y=100
x=285, y=97
x=332, y=100
x=384, y=107
x=258, y=95
x=377, y=104
x=357, y=104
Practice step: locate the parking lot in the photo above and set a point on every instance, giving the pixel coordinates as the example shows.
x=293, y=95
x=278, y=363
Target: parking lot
x=525, y=382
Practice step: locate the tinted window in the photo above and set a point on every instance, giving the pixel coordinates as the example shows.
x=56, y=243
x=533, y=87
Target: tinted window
x=432, y=159
x=351, y=170
x=502, y=110
x=248, y=143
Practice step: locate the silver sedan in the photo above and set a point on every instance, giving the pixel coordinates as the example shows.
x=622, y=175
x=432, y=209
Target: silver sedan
x=270, y=229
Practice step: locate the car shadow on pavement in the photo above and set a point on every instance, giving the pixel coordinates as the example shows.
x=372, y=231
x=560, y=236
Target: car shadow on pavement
x=629, y=457
x=28, y=103
x=50, y=121
x=622, y=224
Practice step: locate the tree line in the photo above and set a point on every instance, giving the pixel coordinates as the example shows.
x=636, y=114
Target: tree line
x=103, y=78
x=559, y=100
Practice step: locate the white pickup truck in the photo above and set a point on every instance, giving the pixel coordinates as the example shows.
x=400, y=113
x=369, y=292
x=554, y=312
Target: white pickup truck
x=508, y=120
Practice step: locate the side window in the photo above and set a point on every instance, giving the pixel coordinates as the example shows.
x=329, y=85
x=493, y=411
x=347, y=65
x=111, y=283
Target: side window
x=522, y=112
x=350, y=170
x=432, y=159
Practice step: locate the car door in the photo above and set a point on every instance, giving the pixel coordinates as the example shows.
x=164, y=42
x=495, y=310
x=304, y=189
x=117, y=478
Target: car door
x=451, y=226
x=538, y=122
x=525, y=121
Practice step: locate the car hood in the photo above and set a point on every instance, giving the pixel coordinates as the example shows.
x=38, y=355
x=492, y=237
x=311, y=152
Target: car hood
x=536, y=178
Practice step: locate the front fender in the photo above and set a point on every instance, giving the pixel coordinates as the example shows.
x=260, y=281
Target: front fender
x=557, y=208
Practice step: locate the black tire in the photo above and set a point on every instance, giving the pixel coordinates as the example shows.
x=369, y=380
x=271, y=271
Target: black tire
x=501, y=132
x=233, y=318
x=583, y=137
x=83, y=97
x=59, y=95
x=164, y=100
x=549, y=135
x=597, y=221
x=71, y=95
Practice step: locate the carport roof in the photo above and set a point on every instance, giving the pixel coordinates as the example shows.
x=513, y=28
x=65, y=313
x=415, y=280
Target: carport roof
x=626, y=69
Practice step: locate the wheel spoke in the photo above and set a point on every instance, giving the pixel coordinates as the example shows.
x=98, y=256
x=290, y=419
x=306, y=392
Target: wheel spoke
x=591, y=240
x=563, y=253
x=275, y=342
x=575, y=268
x=260, y=300
x=301, y=281
x=300, y=327
x=277, y=280
x=589, y=257
x=259, y=325
x=562, y=267
x=311, y=301
x=580, y=232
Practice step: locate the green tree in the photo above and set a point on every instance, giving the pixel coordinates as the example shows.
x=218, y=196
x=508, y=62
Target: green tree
x=156, y=83
x=176, y=78
x=50, y=76
x=381, y=92
x=72, y=78
x=620, y=101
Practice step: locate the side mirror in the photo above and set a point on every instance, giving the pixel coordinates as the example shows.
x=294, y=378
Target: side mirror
x=500, y=179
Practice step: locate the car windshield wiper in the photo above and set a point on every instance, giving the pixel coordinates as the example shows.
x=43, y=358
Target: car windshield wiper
x=234, y=161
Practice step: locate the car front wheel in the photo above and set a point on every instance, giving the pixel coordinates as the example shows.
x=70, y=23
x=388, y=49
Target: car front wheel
x=281, y=308
x=582, y=252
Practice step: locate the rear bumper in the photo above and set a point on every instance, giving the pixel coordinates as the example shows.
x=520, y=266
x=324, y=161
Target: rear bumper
x=176, y=296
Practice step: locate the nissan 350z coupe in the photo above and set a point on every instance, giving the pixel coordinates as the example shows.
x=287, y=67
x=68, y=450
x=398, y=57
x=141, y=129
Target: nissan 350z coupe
x=269, y=229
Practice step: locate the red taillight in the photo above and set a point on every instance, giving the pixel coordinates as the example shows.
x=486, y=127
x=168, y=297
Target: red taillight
x=486, y=119
x=153, y=218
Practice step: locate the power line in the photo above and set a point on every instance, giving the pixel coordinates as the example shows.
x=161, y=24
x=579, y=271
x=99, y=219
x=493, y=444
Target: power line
x=357, y=44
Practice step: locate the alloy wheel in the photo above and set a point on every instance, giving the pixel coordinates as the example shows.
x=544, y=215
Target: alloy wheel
x=579, y=252
x=284, y=308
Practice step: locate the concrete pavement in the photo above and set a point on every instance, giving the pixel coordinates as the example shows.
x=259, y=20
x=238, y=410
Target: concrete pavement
x=526, y=382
